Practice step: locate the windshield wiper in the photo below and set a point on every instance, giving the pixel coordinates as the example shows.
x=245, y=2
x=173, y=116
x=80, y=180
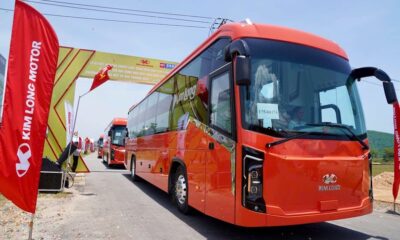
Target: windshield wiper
x=341, y=127
x=271, y=144
x=333, y=125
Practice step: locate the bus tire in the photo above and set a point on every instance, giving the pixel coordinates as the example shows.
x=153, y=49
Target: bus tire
x=180, y=190
x=134, y=177
x=108, y=161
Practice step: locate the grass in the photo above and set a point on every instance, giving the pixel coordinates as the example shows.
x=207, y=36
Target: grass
x=380, y=168
x=55, y=195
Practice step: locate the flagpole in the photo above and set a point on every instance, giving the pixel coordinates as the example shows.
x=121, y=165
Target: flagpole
x=105, y=77
x=73, y=131
x=31, y=227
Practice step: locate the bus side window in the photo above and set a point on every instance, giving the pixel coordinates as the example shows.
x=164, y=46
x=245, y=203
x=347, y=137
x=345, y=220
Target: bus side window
x=185, y=98
x=221, y=113
x=163, y=109
x=150, y=114
x=142, y=118
x=131, y=119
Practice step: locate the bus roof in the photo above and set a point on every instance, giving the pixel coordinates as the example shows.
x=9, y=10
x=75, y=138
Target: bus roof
x=116, y=122
x=243, y=30
x=119, y=121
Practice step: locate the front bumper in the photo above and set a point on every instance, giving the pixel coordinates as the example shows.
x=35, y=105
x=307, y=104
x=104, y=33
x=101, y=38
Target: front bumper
x=275, y=216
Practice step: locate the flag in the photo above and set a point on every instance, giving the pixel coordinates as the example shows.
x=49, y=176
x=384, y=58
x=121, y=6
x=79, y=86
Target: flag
x=396, y=157
x=101, y=77
x=30, y=80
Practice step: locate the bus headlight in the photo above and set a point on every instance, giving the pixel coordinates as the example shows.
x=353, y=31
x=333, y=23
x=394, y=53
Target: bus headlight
x=252, y=180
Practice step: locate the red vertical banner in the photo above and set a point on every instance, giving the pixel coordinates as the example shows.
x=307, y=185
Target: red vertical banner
x=30, y=79
x=396, y=157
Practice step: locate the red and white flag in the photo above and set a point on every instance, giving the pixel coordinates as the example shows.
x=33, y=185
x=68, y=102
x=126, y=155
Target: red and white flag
x=396, y=157
x=101, y=77
x=30, y=79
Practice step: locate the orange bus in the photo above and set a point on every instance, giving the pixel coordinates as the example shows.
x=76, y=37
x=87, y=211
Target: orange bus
x=259, y=126
x=114, y=142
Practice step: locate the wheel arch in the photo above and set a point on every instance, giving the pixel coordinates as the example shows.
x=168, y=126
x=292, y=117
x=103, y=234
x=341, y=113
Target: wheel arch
x=175, y=163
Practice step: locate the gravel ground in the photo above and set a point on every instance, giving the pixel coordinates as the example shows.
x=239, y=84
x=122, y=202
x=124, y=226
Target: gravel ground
x=51, y=212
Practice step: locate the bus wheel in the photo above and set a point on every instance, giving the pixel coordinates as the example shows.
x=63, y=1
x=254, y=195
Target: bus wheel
x=180, y=190
x=108, y=161
x=134, y=177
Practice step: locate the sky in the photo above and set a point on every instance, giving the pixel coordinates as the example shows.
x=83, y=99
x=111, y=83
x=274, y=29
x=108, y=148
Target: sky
x=369, y=31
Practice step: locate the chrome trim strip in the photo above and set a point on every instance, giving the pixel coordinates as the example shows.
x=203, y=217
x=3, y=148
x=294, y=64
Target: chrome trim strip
x=254, y=158
x=225, y=142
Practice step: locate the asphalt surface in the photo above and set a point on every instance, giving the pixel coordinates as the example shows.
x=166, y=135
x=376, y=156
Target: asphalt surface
x=111, y=206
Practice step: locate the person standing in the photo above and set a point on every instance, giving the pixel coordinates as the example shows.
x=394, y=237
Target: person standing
x=77, y=141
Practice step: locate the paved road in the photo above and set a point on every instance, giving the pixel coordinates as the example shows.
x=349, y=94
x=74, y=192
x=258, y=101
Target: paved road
x=111, y=206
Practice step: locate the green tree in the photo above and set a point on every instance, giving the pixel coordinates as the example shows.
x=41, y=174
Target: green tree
x=375, y=154
x=388, y=155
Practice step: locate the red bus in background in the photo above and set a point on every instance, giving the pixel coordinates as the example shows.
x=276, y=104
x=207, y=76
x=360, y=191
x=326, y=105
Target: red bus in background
x=87, y=145
x=114, y=142
x=100, y=143
x=92, y=146
x=259, y=126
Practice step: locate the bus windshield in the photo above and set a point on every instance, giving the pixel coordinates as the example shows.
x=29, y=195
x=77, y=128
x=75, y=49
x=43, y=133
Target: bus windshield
x=117, y=136
x=100, y=142
x=295, y=89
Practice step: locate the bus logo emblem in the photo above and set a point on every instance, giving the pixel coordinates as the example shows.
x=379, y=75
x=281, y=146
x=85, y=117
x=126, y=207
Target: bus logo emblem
x=329, y=178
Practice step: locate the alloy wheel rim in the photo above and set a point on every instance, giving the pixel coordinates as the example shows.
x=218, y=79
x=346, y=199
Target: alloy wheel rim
x=180, y=189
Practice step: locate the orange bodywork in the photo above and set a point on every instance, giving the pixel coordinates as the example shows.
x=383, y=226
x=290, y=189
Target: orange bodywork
x=292, y=172
x=118, y=156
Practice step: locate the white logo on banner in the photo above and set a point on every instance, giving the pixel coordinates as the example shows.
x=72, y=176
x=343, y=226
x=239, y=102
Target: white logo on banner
x=23, y=154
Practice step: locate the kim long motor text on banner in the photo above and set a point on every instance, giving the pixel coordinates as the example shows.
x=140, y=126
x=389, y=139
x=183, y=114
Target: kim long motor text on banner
x=30, y=80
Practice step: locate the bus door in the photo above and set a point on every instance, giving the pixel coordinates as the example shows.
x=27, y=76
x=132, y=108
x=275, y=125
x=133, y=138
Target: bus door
x=220, y=165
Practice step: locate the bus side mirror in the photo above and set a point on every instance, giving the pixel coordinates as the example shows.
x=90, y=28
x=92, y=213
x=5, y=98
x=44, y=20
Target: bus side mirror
x=242, y=70
x=109, y=133
x=390, y=93
x=388, y=87
x=241, y=50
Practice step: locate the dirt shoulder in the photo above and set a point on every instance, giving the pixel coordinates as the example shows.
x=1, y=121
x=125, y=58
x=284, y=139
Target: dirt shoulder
x=382, y=184
x=51, y=214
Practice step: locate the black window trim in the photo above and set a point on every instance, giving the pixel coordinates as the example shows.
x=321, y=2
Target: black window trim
x=227, y=68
